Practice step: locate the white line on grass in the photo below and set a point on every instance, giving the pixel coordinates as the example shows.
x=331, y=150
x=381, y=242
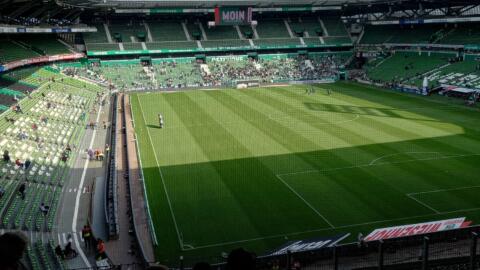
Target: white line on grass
x=161, y=177
x=306, y=202
x=376, y=164
x=336, y=228
x=402, y=153
x=422, y=203
x=442, y=190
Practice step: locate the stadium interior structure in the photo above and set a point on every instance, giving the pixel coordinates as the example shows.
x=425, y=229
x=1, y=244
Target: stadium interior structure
x=256, y=134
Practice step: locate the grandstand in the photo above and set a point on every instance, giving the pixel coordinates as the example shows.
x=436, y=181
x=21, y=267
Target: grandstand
x=11, y=51
x=315, y=135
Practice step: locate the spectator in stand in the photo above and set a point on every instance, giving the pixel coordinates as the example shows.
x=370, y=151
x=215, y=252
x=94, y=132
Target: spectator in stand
x=21, y=191
x=59, y=252
x=2, y=192
x=87, y=236
x=18, y=163
x=90, y=153
x=296, y=265
x=69, y=251
x=202, y=266
x=101, y=250
x=12, y=248
x=6, y=156
x=27, y=164
x=44, y=208
x=239, y=259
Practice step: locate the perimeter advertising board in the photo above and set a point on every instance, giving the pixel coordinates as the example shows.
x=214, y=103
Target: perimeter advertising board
x=309, y=244
x=416, y=229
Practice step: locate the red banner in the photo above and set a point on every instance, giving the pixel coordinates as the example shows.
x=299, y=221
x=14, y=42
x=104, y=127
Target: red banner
x=42, y=59
x=416, y=229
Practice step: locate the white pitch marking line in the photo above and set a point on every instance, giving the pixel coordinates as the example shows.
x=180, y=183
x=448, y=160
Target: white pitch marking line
x=397, y=154
x=376, y=164
x=161, y=177
x=442, y=190
x=338, y=227
x=424, y=204
x=306, y=202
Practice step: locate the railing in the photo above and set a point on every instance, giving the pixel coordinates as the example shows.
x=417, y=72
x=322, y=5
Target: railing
x=440, y=250
x=142, y=179
x=111, y=198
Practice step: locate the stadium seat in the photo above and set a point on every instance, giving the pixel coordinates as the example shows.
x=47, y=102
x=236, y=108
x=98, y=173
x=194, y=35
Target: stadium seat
x=166, y=31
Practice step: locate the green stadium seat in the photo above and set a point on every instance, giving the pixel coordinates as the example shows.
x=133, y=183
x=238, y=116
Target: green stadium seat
x=172, y=45
x=463, y=34
x=103, y=47
x=272, y=28
x=166, y=31
x=277, y=42
x=218, y=44
x=98, y=37
x=127, y=31
x=48, y=44
x=334, y=26
x=337, y=40
x=220, y=32
x=10, y=51
x=132, y=46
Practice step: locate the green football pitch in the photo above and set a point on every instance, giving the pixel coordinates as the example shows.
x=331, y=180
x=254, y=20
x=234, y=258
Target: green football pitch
x=259, y=167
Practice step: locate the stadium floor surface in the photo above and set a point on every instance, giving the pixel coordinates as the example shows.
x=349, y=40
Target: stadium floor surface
x=258, y=167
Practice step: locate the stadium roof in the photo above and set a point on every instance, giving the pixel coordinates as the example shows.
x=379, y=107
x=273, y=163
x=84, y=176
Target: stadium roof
x=138, y=4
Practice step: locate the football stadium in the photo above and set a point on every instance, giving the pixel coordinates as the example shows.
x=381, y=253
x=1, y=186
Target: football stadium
x=240, y=134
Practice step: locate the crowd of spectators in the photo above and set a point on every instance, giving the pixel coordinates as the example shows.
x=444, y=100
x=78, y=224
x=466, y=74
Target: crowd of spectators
x=32, y=21
x=168, y=74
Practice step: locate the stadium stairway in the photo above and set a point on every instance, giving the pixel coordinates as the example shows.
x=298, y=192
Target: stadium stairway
x=65, y=102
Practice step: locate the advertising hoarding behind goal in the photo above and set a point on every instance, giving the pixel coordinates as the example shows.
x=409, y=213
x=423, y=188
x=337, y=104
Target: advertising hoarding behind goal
x=416, y=229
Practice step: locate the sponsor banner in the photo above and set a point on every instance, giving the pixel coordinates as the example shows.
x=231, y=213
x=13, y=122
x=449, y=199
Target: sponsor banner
x=425, y=21
x=61, y=30
x=6, y=29
x=408, y=21
x=42, y=59
x=309, y=244
x=326, y=80
x=226, y=58
x=245, y=48
x=212, y=10
x=233, y=15
x=416, y=229
x=13, y=30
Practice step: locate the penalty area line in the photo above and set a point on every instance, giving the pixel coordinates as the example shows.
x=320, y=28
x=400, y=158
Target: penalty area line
x=375, y=164
x=306, y=202
x=424, y=204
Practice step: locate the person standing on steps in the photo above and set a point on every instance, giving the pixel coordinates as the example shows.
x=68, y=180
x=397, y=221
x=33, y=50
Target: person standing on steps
x=87, y=236
x=21, y=191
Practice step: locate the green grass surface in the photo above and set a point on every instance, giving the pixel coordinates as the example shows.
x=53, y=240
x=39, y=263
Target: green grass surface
x=256, y=168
